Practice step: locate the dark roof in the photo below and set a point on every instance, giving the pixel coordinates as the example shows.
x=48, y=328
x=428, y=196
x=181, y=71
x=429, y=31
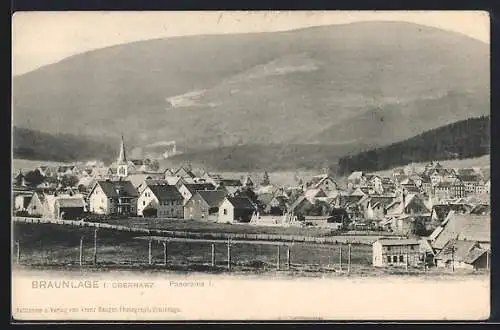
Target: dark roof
x=241, y=203
x=70, y=202
x=470, y=178
x=481, y=209
x=441, y=211
x=125, y=188
x=230, y=182
x=166, y=193
x=194, y=187
x=212, y=197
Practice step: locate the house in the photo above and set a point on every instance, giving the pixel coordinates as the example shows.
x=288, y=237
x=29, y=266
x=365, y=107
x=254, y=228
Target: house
x=323, y=182
x=462, y=227
x=376, y=207
x=163, y=201
x=137, y=179
x=248, y=183
x=69, y=208
x=185, y=173
x=187, y=190
x=356, y=179
x=113, y=198
x=21, y=202
x=236, y=210
x=470, y=182
x=426, y=185
x=313, y=194
x=19, y=180
x=36, y=206
x=277, y=206
x=204, y=205
x=463, y=254
x=407, y=204
x=396, y=252
x=153, y=182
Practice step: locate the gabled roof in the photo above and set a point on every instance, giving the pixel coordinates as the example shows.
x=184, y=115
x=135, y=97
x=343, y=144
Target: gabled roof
x=165, y=192
x=460, y=250
x=241, y=203
x=356, y=175
x=463, y=226
x=212, y=197
x=230, y=182
x=125, y=188
x=70, y=202
x=194, y=187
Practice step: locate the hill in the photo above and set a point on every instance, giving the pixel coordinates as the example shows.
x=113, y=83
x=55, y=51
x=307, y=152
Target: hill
x=357, y=84
x=34, y=145
x=464, y=139
x=260, y=157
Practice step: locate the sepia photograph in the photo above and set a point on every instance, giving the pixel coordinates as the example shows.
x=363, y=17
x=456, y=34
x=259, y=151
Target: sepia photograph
x=250, y=165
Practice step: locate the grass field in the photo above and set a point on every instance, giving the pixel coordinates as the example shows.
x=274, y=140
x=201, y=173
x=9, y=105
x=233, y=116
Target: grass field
x=59, y=245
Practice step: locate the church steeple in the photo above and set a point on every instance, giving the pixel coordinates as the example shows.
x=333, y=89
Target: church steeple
x=121, y=162
x=122, y=156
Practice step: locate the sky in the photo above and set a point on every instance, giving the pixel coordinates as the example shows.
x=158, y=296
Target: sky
x=43, y=38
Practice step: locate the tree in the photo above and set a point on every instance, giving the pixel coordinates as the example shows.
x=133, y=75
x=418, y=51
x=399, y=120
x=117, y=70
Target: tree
x=34, y=178
x=265, y=179
x=69, y=181
x=155, y=165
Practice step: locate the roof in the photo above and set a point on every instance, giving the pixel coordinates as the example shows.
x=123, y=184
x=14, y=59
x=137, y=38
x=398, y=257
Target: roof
x=126, y=189
x=265, y=198
x=70, y=202
x=312, y=193
x=463, y=226
x=460, y=250
x=212, y=197
x=194, y=187
x=241, y=203
x=392, y=242
x=166, y=192
x=230, y=182
x=357, y=175
x=137, y=178
x=481, y=209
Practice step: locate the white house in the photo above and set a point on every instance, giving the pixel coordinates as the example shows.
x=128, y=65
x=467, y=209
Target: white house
x=113, y=197
x=163, y=201
x=396, y=252
x=236, y=209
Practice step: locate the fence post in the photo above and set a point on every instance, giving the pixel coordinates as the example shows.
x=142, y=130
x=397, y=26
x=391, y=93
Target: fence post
x=349, y=259
x=81, y=251
x=288, y=257
x=340, y=257
x=18, y=251
x=95, y=246
x=278, y=261
x=228, y=254
x=150, y=256
x=213, y=255
x=165, y=253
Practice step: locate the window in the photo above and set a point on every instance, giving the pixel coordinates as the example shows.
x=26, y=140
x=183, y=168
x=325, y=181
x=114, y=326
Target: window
x=388, y=248
x=412, y=247
x=225, y=211
x=395, y=259
x=401, y=258
x=143, y=203
x=389, y=259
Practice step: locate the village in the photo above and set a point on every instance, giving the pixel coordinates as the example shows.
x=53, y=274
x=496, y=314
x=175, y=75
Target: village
x=440, y=216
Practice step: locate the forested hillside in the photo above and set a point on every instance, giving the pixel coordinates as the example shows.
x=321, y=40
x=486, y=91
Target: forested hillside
x=463, y=139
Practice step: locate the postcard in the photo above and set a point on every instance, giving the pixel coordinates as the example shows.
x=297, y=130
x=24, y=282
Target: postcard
x=241, y=166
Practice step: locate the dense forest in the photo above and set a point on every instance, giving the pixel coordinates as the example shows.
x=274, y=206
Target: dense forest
x=463, y=139
x=34, y=145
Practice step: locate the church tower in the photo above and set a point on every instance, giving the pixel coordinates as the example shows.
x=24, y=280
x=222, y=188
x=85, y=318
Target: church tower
x=121, y=162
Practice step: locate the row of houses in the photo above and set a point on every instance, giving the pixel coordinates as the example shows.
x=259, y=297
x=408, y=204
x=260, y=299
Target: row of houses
x=461, y=241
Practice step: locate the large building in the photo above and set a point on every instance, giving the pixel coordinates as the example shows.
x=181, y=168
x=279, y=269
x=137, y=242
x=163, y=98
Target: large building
x=396, y=252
